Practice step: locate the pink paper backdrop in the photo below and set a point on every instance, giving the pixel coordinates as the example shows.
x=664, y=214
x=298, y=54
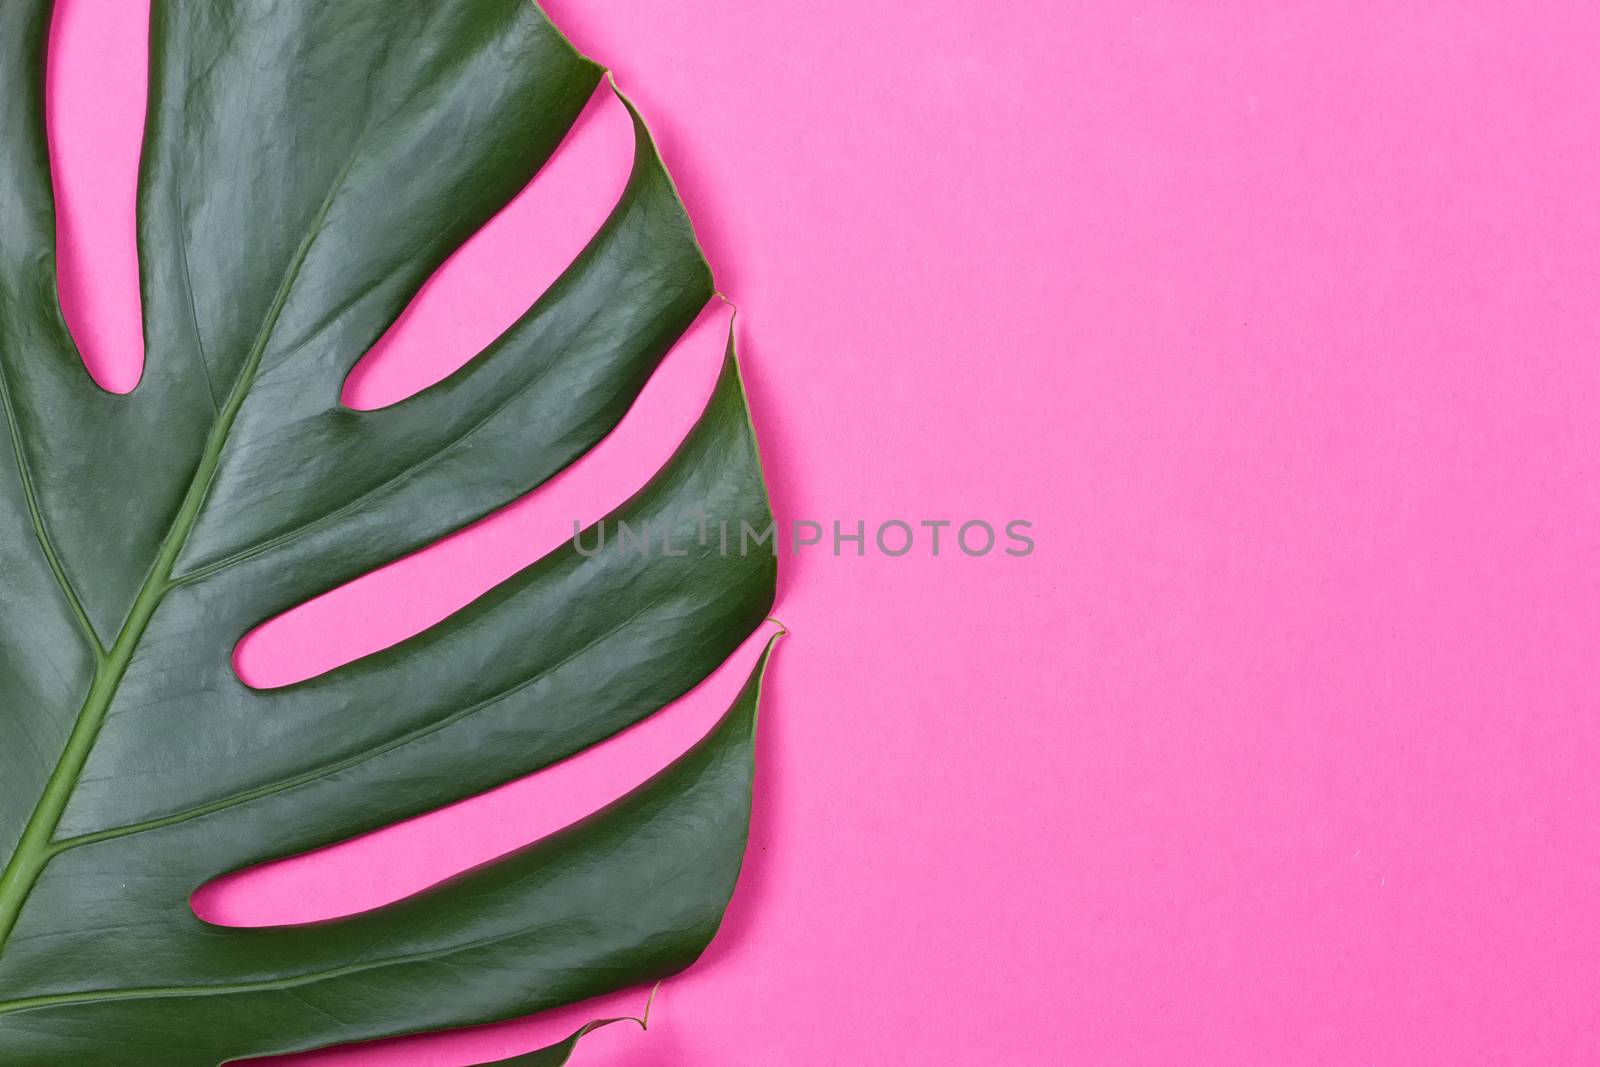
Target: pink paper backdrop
x=1277, y=320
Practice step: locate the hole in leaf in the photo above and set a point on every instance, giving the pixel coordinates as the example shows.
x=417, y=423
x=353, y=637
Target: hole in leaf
x=97, y=76
x=393, y=863
x=406, y=597
x=488, y=283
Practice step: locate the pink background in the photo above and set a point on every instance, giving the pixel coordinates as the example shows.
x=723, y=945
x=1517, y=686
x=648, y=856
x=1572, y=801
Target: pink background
x=1277, y=320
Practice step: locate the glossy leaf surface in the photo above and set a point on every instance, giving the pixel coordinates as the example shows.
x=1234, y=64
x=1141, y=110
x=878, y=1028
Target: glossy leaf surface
x=306, y=168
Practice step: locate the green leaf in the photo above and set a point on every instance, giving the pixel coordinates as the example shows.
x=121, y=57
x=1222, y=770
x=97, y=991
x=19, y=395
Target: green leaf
x=306, y=168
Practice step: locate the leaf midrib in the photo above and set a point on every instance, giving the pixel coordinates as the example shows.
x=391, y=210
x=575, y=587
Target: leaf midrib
x=34, y=849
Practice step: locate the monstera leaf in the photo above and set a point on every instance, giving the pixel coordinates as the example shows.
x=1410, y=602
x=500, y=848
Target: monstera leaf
x=306, y=167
